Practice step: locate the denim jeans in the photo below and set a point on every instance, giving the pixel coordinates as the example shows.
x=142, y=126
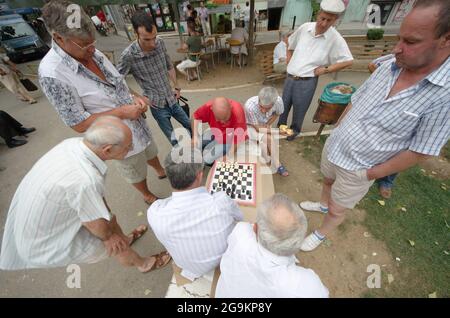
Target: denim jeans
x=163, y=115
x=387, y=182
x=212, y=150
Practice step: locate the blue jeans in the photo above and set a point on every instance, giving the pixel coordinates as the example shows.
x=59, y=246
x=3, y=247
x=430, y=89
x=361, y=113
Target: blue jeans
x=212, y=150
x=163, y=115
x=387, y=182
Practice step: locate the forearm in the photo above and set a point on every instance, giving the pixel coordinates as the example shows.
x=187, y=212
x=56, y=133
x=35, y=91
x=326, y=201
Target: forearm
x=400, y=162
x=339, y=66
x=85, y=124
x=194, y=126
x=288, y=56
x=100, y=228
x=173, y=77
x=272, y=120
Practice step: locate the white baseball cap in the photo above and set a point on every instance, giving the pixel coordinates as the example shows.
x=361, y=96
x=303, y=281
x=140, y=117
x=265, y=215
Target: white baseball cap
x=332, y=6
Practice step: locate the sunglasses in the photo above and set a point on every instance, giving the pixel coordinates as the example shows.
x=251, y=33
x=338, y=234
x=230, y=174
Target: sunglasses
x=84, y=48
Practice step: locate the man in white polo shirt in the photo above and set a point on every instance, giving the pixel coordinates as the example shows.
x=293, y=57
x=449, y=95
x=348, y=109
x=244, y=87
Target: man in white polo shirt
x=315, y=48
x=193, y=225
x=58, y=215
x=260, y=259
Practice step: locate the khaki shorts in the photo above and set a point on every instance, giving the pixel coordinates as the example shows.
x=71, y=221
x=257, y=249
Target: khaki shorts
x=349, y=187
x=134, y=169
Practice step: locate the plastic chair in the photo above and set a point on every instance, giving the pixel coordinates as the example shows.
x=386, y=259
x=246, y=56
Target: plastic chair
x=197, y=64
x=235, y=43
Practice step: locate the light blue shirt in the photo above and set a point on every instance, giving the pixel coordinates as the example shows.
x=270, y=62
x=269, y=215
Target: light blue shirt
x=377, y=128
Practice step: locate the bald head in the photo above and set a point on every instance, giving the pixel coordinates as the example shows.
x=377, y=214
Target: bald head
x=221, y=109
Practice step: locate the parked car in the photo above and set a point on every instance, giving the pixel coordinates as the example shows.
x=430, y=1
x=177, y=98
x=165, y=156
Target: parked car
x=19, y=39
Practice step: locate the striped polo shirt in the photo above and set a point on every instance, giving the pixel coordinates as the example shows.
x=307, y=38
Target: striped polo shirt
x=377, y=128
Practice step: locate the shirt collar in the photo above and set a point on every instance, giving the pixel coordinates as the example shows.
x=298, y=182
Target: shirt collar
x=192, y=192
x=137, y=50
x=70, y=62
x=438, y=77
x=312, y=30
x=93, y=158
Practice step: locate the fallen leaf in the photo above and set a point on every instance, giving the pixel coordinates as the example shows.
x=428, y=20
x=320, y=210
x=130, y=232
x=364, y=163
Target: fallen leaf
x=433, y=295
x=147, y=292
x=437, y=243
x=390, y=278
x=374, y=254
x=429, y=212
x=296, y=189
x=443, y=188
x=140, y=213
x=327, y=243
x=366, y=234
x=433, y=172
x=381, y=202
x=446, y=253
x=403, y=209
x=423, y=171
x=397, y=259
x=411, y=243
x=314, y=171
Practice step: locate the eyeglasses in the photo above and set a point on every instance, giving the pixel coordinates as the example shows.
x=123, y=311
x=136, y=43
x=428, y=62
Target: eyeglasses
x=85, y=47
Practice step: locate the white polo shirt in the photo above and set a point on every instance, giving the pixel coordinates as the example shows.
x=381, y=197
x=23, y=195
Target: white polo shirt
x=248, y=270
x=311, y=51
x=194, y=226
x=279, y=52
x=44, y=224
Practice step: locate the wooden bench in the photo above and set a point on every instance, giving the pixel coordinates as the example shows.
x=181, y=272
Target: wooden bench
x=265, y=58
x=365, y=51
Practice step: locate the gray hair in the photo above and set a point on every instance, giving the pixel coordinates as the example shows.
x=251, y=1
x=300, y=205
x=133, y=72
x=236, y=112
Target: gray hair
x=182, y=168
x=443, y=19
x=267, y=96
x=281, y=239
x=56, y=14
x=105, y=130
x=285, y=34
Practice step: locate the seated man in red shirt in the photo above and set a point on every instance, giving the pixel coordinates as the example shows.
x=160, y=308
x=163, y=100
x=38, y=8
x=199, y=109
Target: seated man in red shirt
x=226, y=119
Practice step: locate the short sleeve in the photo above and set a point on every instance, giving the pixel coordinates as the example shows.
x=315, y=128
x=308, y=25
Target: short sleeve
x=279, y=106
x=202, y=113
x=433, y=131
x=340, y=51
x=123, y=66
x=89, y=205
x=293, y=39
x=65, y=100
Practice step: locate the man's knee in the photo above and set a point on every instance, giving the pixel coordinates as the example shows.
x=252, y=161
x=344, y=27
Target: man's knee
x=335, y=209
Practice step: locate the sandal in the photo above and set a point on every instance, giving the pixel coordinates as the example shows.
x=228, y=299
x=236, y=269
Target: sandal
x=137, y=233
x=159, y=262
x=162, y=177
x=282, y=171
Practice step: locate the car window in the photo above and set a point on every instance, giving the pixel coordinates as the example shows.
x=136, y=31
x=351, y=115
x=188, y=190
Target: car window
x=14, y=31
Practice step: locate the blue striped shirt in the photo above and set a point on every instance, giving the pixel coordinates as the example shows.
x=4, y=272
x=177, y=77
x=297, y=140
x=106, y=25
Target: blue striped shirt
x=376, y=129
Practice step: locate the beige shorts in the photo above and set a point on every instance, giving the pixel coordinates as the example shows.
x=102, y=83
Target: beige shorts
x=349, y=187
x=134, y=169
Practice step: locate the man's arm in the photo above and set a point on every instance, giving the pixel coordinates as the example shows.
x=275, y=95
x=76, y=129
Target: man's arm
x=289, y=55
x=400, y=162
x=173, y=79
x=115, y=243
x=332, y=68
x=195, y=134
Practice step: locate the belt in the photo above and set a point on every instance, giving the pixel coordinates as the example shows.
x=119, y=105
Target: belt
x=296, y=78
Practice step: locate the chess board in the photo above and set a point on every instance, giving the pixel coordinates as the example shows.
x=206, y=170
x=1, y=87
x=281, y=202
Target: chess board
x=237, y=179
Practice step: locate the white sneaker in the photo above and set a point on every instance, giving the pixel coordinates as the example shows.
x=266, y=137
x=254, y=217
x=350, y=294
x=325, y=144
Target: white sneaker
x=312, y=206
x=310, y=243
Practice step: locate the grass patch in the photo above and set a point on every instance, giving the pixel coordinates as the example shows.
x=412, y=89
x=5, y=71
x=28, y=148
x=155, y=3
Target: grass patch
x=423, y=268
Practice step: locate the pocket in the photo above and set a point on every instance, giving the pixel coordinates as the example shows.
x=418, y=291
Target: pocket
x=363, y=175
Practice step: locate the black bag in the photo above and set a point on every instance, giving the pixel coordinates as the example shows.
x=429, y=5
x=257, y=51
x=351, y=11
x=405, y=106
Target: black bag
x=185, y=106
x=29, y=85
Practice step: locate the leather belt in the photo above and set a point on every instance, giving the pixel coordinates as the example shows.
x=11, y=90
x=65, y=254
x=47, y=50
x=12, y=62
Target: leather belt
x=296, y=78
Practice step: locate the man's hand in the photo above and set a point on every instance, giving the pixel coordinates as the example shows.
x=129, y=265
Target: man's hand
x=116, y=244
x=2, y=72
x=320, y=71
x=141, y=101
x=177, y=93
x=370, y=175
x=132, y=112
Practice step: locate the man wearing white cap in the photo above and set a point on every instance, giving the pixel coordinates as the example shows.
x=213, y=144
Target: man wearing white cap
x=315, y=48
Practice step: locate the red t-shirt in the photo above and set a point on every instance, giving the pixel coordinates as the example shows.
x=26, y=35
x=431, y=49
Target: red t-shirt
x=236, y=125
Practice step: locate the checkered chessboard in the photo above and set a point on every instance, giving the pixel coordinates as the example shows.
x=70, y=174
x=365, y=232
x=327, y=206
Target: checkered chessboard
x=237, y=179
